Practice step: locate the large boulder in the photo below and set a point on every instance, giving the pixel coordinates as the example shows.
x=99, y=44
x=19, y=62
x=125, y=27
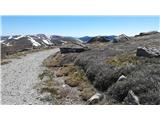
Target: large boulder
x=148, y=52
x=72, y=48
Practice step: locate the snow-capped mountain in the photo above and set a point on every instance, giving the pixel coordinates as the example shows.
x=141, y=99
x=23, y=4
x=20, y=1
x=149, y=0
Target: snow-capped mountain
x=38, y=40
x=26, y=40
x=15, y=43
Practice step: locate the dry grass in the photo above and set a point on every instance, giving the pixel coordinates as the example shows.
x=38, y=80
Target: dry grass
x=48, y=86
x=123, y=60
x=54, y=60
x=46, y=73
x=87, y=93
x=73, y=75
x=77, y=78
x=3, y=62
x=65, y=71
x=17, y=55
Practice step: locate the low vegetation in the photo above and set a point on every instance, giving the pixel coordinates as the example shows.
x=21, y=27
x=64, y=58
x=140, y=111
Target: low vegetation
x=99, y=69
x=72, y=76
x=59, y=60
x=3, y=62
x=77, y=78
x=123, y=60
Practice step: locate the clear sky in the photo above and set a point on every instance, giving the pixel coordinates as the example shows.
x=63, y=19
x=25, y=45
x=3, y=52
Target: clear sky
x=78, y=25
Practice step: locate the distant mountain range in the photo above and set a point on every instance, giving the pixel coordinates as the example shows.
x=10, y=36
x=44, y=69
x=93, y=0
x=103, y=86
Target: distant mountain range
x=15, y=43
x=87, y=39
x=38, y=40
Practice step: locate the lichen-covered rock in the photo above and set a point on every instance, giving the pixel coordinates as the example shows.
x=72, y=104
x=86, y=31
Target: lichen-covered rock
x=148, y=52
x=72, y=48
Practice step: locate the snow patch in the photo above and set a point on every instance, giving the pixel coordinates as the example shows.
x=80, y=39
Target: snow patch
x=79, y=40
x=8, y=44
x=47, y=42
x=10, y=37
x=34, y=42
x=1, y=41
x=18, y=37
x=63, y=41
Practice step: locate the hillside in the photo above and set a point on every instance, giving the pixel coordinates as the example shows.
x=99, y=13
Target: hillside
x=123, y=72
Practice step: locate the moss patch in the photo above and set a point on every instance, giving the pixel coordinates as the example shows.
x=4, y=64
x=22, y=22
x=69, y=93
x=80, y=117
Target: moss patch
x=123, y=60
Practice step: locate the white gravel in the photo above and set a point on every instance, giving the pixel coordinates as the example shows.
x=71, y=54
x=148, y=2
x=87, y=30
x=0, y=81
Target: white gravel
x=21, y=76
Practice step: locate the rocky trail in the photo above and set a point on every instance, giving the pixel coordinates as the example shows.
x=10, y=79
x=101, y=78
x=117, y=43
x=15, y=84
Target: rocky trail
x=19, y=78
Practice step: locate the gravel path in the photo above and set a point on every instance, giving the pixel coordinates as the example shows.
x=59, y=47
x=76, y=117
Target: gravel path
x=19, y=78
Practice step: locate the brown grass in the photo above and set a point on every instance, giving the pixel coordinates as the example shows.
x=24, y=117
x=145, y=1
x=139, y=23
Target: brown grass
x=46, y=73
x=17, y=55
x=48, y=86
x=123, y=60
x=54, y=60
x=3, y=62
x=73, y=76
x=77, y=78
x=65, y=71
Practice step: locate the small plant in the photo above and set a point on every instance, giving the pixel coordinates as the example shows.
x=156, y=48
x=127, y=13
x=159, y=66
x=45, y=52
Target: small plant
x=75, y=78
x=47, y=73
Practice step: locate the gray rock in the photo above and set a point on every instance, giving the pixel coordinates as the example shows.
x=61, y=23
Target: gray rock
x=46, y=96
x=122, y=77
x=95, y=98
x=72, y=48
x=132, y=98
x=148, y=52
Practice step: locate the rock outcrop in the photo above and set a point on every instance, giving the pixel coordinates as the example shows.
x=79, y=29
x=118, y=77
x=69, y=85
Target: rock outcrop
x=121, y=38
x=72, y=48
x=148, y=52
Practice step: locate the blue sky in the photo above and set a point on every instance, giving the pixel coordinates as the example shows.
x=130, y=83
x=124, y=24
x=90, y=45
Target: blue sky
x=78, y=25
